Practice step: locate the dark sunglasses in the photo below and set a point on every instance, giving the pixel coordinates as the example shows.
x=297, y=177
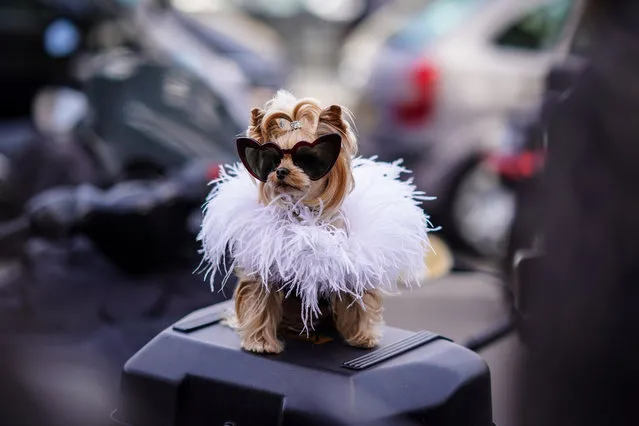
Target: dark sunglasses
x=315, y=159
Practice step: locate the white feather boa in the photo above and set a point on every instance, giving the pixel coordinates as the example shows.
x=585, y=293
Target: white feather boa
x=290, y=249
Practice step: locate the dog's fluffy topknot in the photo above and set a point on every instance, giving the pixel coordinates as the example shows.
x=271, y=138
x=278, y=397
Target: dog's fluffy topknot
x=275, y=119
x=283, y=101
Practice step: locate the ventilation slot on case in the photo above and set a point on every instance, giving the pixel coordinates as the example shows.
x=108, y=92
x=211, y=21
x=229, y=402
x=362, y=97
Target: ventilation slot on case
x=393, y=350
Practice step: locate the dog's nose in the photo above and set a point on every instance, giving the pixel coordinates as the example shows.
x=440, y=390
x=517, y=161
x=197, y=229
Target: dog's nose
x=282, y=172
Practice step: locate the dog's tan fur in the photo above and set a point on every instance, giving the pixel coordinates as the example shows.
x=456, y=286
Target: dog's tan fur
x=258, y=311
x=358, y=324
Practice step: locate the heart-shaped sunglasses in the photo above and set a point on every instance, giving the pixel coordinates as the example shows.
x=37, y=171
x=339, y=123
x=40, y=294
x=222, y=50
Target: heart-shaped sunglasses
x=315, y=159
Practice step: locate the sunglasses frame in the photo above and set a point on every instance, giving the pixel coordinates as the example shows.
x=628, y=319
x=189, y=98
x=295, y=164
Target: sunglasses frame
x=244, y=142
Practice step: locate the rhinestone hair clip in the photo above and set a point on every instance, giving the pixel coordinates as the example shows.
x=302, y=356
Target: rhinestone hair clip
x=296, y=125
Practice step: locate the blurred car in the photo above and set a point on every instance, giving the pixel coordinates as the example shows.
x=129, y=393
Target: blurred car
x=442, y=81
x=457, y=67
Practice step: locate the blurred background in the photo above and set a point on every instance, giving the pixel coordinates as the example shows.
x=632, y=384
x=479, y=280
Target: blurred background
x=116, y=114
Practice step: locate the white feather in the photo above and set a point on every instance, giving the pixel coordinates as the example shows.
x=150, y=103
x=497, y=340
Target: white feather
x=290, y=249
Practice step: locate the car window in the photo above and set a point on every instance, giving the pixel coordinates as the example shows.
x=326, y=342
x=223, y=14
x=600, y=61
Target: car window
x=438, y=18
x=538, y=29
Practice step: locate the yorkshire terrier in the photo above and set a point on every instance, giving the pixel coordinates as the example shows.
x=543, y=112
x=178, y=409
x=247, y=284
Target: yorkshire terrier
x=260, y=313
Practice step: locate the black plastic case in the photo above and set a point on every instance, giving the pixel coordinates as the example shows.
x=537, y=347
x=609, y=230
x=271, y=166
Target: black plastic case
x=195, y=374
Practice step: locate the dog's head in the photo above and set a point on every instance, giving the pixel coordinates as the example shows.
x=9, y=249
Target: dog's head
x=286, y=121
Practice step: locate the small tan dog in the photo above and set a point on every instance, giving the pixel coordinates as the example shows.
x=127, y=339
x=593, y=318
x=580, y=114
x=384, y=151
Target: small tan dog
x=312, y=232
x=260, y=312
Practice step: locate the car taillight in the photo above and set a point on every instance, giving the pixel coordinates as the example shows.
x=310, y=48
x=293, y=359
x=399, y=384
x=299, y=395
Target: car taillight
x=420, y=104
x=523, y=165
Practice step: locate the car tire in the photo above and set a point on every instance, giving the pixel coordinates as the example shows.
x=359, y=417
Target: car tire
x=464, y=217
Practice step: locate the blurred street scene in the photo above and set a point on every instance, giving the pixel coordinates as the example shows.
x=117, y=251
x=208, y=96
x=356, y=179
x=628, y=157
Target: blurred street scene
x=116, y=115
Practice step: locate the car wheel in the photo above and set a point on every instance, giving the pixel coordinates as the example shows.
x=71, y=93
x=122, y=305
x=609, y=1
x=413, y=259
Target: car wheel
x=482, y=211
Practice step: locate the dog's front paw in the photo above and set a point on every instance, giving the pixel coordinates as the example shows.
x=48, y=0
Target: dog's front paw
x=263, y=346
x=366, y=341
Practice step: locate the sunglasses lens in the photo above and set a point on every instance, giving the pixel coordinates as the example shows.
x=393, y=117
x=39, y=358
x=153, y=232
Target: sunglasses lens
x=317, y=161
x=262, y=160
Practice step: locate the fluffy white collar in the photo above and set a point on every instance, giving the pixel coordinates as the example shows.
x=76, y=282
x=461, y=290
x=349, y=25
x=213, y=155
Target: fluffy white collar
x=290, y=249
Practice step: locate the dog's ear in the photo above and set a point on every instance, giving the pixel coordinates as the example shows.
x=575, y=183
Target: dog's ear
x=332, y=119
x=255, y=126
